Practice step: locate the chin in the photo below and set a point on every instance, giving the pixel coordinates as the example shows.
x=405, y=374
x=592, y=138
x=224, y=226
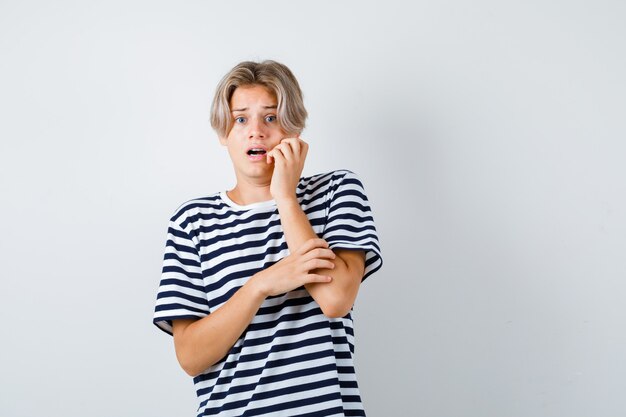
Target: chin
x=258, y=171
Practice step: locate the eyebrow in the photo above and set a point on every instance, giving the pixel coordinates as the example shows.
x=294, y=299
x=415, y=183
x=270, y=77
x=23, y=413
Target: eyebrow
x=245, y=108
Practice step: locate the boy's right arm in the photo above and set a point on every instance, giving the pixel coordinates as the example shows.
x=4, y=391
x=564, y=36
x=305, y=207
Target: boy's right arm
x=200, y=343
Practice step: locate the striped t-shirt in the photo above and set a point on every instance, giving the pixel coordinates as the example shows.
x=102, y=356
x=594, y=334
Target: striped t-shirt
x=291, y=360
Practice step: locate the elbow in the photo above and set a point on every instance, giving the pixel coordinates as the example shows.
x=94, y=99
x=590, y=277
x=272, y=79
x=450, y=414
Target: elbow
x=188, y=366
x=193, y=365
x=336, y=309
x=336, y=303
x=189, y=363
x=191, y=369
x=193, y=373
x=187, y=354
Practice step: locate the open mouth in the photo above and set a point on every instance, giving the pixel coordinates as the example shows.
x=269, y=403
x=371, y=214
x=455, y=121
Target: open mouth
x=256, y=152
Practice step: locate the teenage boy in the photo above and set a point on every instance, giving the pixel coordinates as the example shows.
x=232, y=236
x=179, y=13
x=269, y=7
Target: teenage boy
x=258, y=282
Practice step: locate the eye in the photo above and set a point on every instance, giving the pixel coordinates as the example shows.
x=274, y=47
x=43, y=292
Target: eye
x=270, y=119
x=240, y=119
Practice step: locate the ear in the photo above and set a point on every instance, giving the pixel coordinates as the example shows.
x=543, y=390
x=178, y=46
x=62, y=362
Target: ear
x=222, y=140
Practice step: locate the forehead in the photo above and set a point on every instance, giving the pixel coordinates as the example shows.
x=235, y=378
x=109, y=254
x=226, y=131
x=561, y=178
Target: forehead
x=245, y=96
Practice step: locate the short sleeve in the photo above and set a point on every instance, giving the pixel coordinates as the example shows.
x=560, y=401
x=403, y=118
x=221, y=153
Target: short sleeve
x=181, y=292
x=349, y=223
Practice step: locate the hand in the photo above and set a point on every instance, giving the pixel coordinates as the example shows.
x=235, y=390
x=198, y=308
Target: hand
x=292, y=271
x=288, y=157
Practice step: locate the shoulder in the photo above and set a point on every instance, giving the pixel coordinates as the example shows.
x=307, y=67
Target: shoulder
x=327, y=179
x=328, y=183
x=196, y=208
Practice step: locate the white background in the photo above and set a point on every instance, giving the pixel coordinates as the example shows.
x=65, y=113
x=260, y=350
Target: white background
x=489, y=136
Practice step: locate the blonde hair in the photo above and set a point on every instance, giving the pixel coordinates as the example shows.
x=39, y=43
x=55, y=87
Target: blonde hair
x=273, y=75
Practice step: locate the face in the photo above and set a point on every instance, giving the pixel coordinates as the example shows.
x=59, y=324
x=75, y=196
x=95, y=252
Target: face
x=255, y=125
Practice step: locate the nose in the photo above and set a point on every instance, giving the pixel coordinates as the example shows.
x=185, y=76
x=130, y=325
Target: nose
x=256, y=129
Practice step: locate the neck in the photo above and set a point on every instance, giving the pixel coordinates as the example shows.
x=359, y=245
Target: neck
x=245, y=193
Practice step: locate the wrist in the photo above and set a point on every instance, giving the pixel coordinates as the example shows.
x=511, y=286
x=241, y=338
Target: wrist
x=287, y=201
x=256, y=287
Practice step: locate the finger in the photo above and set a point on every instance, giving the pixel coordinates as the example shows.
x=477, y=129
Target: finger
x=312, y=244
x=286, y=150
x=271, y=155
x=326, y=253
x=318, y=264
x=304, y=149
x=319, y=253
x=278, y=155
x=308, y=278
x=306, y=246
x=311, y=261
x=295, y=144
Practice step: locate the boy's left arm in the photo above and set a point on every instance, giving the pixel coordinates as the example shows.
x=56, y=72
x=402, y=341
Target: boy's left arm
x=336, y=297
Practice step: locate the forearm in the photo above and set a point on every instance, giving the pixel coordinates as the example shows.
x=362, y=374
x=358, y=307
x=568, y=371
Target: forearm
x=206, y=341
x=296, y=225
x=335, y=297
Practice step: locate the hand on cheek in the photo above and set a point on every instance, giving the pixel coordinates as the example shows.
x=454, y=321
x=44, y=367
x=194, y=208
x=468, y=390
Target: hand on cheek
x=288, y=158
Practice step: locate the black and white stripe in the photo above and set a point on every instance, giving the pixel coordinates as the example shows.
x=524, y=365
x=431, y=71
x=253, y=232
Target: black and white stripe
x=291, y=360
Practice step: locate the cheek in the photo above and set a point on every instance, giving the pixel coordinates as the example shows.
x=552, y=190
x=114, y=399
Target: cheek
x=279, y=132
x=235, y=132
